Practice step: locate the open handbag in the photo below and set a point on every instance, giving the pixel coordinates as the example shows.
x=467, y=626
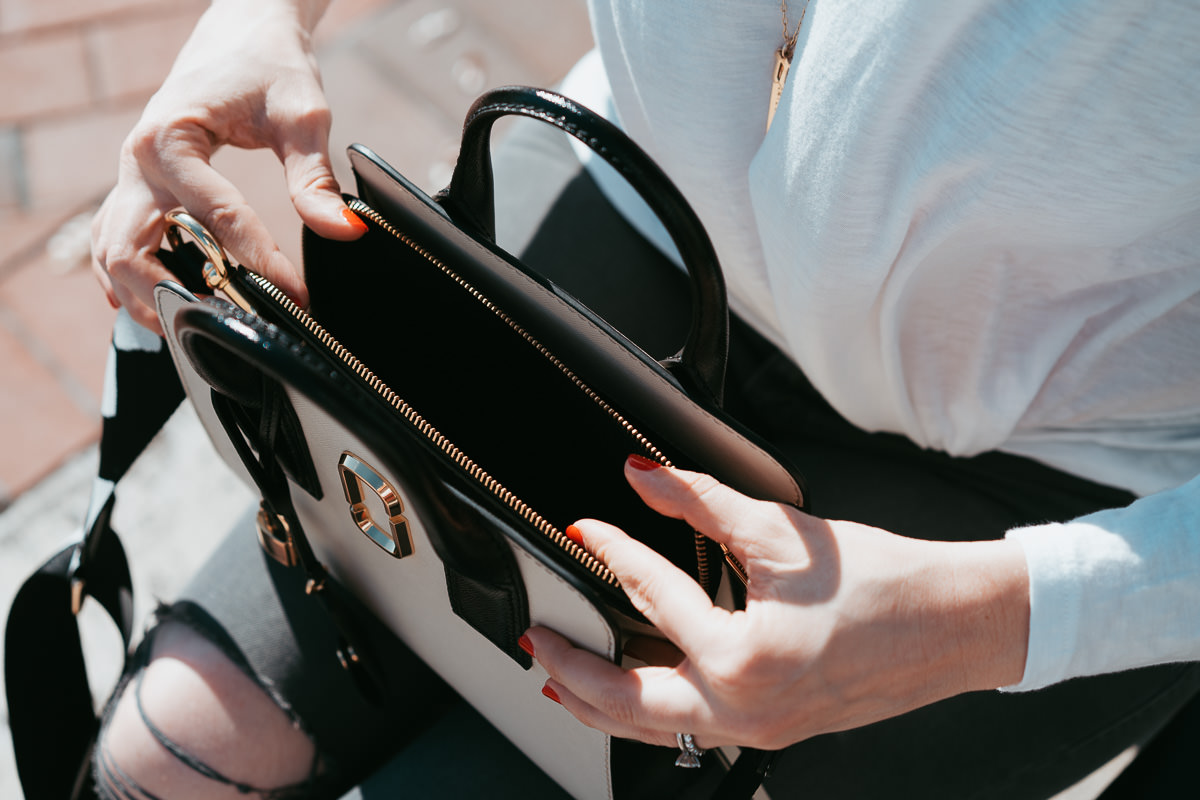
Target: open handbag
x=423, y=434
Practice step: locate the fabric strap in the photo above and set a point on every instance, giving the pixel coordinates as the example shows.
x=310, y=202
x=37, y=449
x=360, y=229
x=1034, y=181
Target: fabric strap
x=51, y=712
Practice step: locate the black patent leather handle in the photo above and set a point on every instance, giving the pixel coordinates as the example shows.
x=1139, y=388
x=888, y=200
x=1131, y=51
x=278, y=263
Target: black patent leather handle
x=470, y=202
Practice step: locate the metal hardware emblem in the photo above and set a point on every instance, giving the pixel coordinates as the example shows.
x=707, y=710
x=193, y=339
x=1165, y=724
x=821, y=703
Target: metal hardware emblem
x=397, y=539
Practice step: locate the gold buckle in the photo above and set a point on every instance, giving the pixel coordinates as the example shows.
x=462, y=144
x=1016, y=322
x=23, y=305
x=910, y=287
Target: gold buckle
x=275, y=537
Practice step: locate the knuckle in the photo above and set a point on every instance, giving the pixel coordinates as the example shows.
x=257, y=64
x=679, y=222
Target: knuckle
x=730, y=672
x=314, y=177
x=704, y=486
x=223, y=219
x=119, y=262
x=145, y=142
x=317, y=115
x=619, y=708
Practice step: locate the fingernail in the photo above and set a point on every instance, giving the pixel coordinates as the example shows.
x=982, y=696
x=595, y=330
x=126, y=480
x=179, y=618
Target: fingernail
x=574, y=534
x=642, y=463
x=525, y=644
x=553, y=695
x=354, y=220
x=112, y=301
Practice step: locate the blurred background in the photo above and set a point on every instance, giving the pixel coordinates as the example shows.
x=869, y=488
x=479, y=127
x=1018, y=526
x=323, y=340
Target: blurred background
x=74, y=76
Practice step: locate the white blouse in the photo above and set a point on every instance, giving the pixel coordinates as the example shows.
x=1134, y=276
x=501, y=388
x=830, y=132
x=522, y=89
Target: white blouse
x=977, y=225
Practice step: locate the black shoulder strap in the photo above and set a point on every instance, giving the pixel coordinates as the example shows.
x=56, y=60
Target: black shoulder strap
x=50, y=706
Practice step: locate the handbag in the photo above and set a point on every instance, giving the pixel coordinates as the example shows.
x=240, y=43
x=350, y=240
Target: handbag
x=423, y=433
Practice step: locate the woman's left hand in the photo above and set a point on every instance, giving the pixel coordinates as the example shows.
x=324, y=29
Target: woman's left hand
x=844, y=624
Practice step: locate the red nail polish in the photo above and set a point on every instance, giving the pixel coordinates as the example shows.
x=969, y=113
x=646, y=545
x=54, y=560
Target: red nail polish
x=553, y=695
x=525, y=644
x=574, y=535
x=642, y=463
x=112, y=301
x=354, y=220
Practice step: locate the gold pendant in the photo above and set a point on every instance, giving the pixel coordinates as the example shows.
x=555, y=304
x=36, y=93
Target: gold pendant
x=782, y=65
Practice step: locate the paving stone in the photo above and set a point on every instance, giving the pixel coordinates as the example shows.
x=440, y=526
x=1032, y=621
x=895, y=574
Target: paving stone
x=12, y=171
x=40, y=423
x=43, y=74
x=397, y=123
x=550, y=37
x=132, y=55
x=71, y=162
x=67, y=314
x=24, y=15
x=343, y=16
x=448, y=55
x=24, y=233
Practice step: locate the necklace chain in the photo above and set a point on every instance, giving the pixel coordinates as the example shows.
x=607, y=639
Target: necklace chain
x=783, y=59
x=789, y=39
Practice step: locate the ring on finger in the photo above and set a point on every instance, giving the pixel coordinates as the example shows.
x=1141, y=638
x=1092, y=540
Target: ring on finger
x=689, y=753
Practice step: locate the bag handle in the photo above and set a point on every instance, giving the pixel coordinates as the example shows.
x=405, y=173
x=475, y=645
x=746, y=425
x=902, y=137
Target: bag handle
x=470, y=201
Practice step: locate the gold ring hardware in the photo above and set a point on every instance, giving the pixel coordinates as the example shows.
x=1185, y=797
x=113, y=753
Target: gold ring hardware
x=355, y=473
x=275, y=537
x=216, y=265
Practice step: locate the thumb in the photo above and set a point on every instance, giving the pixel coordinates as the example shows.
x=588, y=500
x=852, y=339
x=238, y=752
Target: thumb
x=314, y=189
x=741, y=523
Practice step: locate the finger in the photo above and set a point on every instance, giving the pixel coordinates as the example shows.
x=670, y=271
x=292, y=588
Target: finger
x=632, y=703
x=592, y=717
x=142, y=314
x=126, y=235
x=668, y=597
x=105, y=282
x=745, y=525
x=180, y=168
x=311, y=183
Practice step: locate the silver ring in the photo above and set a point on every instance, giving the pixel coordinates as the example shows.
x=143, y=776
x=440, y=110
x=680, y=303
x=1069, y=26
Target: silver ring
x=689, y=753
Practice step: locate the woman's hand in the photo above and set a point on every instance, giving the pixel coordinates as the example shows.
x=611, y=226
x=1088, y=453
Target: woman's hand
x=245, y=77
x=844, y=624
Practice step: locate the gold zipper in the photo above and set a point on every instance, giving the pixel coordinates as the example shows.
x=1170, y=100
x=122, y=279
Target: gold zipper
x=418, y=422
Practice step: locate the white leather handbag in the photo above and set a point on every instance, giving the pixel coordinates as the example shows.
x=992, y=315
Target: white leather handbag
x=424, y=433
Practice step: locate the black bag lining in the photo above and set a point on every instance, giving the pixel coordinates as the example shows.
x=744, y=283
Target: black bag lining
x=483, y=386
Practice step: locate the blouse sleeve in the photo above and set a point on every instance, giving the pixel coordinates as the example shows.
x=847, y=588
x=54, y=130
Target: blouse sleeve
x=1114, y=590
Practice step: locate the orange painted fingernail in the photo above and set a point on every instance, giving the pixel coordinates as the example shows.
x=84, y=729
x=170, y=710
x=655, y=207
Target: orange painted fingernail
x=574, y=534
x=553, y=695
x=525, y=644
x=354, y=220
x=642, y=463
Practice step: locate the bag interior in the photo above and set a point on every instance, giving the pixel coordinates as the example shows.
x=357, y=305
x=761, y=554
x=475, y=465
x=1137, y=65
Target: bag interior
x=493, y=394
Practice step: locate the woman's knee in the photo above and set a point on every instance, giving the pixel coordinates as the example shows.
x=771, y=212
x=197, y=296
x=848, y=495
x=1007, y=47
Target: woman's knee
x=192, y=723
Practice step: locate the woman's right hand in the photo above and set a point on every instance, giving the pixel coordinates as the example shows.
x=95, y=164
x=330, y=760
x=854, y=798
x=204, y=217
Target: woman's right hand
x=246, y=77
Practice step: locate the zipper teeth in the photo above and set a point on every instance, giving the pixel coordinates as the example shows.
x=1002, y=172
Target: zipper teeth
x=703, y=573
x=414, y=418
